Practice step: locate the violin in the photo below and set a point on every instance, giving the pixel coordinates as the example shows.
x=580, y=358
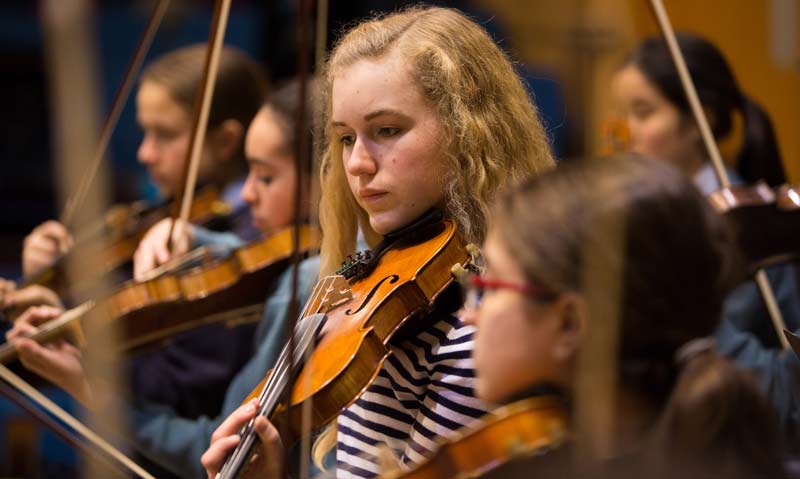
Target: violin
x=373, y=299
x=524, y=428
x=123, y=228
x=229, y=290
x=766, y=226
x=765, y=221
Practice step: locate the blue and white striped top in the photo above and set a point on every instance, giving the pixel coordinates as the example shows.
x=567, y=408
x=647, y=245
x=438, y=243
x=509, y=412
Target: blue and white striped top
x=423, y=392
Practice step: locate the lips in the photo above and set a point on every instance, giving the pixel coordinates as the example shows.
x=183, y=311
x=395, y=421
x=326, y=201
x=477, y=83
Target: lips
x=369, y=195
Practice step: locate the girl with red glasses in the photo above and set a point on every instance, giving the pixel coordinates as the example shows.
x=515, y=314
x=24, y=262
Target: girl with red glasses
x=626, y=246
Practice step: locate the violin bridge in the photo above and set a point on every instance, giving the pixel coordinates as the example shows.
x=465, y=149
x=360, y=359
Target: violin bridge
x=337, y=292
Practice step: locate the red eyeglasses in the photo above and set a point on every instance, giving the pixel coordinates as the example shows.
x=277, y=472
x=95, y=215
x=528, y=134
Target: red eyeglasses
x=477, y=284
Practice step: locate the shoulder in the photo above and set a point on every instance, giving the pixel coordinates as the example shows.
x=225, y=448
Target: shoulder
x=307, y=273
x=706, y=178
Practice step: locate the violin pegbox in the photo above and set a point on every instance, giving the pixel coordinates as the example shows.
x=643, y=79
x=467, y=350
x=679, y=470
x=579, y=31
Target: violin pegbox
x=355, y=265
x=474, y=265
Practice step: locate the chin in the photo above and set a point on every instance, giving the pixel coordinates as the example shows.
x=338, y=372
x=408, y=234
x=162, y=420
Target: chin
x=383, y=224
x=386, y=222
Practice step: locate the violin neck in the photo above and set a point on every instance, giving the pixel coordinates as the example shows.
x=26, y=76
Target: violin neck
x=329, y=292
x=306, y=332
x=65, y=325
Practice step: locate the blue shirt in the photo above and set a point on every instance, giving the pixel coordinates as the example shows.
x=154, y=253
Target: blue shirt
x=177, y=442
x=746, y=334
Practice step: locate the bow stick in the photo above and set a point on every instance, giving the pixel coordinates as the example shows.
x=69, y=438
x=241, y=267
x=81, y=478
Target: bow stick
x=79, y=196
x=51, y=407
x=716, y=158
x=200, y=117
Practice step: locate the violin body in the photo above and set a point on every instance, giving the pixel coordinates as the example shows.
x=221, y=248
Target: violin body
x=229, y=290
x=528, y=427
x=402, y=287
x=766, y=222
x=122, y=229
x=404, y=284
x=157, y=309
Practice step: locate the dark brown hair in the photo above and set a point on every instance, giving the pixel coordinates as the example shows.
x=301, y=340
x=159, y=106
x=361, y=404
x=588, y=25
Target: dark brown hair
x=239, y=91
x=673, y=257
x=759, y=156
x=285, y=103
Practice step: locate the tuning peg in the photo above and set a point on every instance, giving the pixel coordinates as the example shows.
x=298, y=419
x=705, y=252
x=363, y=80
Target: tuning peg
x=459, y=272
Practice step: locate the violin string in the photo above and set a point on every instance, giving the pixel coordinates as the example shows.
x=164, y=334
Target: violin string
x=175, y=263
x=278, y=376
x=270, y=387
x=276, y=383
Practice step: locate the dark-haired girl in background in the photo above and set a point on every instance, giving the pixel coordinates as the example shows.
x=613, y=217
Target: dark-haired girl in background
x=661, y=126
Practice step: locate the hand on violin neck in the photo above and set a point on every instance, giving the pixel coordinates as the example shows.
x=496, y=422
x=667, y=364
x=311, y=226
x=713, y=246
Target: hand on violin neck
x=18, y=300
x=44, y=246
x=268, y=461
x=59, y=362
x=155, y=248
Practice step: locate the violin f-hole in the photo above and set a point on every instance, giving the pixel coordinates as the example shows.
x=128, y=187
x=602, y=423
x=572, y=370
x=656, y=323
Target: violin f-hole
x=393, y=278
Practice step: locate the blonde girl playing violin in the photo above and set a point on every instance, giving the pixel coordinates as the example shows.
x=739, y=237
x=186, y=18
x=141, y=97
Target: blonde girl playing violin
x=423, y=111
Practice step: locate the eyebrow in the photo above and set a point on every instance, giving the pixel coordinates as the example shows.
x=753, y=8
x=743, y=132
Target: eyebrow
x=371, y=115
x=258, y=162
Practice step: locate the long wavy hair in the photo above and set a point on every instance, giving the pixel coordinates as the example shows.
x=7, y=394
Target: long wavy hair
x=492, y=133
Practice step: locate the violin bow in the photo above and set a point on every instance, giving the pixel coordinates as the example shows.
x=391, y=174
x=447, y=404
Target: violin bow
x=93, y=438
x=120, y=98
x=65, y=434
x=716, y=158
x=302, y=183
x=202, y=108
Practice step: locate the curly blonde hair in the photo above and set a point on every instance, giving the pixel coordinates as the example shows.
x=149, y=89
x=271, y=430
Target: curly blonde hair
x=492, y=134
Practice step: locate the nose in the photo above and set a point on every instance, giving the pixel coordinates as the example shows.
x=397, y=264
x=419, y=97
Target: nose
x=361, y=161
x=146, y=154
x=248, y=192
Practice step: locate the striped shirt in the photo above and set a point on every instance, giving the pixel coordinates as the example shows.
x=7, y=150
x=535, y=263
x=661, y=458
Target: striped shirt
x=423, y=392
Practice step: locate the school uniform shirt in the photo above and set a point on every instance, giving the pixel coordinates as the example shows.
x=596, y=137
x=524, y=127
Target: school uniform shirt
x=423, y=393
x=746, y=335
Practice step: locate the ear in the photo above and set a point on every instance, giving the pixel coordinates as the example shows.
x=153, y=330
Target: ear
x=226, y=139
x=572, y=324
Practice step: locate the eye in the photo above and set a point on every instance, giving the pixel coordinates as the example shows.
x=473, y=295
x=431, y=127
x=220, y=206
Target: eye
x=265, y=179
x=165, y=135
x=641, y=111
x=388, y=131
x=347, y=140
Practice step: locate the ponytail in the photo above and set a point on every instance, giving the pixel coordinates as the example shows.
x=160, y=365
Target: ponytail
x=720, y=94
x=759, y=157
